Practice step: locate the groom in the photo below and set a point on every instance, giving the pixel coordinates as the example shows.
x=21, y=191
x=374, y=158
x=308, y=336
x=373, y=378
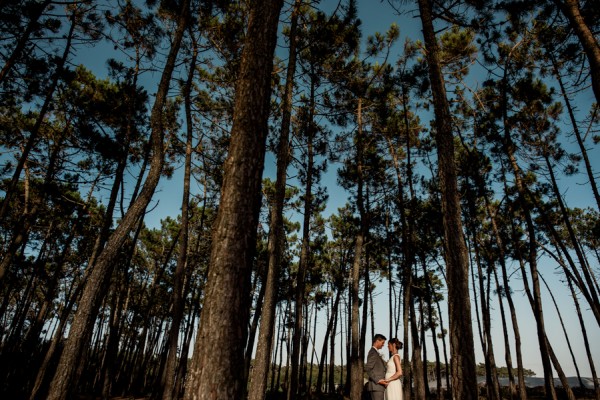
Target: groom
x=375, y=368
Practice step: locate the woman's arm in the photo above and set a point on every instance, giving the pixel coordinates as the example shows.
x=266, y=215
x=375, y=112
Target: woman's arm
x=398, y=365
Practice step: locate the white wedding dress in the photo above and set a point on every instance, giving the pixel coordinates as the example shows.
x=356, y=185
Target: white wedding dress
x=394, y=388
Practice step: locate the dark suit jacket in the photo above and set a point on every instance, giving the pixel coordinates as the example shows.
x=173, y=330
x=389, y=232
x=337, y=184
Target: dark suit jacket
x=375, y=369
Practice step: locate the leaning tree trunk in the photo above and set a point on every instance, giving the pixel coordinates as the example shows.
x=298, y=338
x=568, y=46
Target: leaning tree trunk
x=215, y=371
x=577, y=133
x=586, y=341
x=535, y=302
x=80, y=330
x=516, y=332
x=464, y=381
x=571, y=10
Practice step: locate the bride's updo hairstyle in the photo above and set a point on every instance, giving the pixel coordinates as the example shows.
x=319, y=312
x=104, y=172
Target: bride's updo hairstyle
x=397, y=343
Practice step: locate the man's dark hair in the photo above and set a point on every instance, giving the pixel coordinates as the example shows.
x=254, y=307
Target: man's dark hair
x=378, y=336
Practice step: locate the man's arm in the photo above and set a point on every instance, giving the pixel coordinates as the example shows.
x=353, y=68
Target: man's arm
x=369, y=366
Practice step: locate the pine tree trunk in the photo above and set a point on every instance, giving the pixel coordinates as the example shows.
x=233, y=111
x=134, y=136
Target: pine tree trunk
x=511, y=305
x=585, y=340
x=331, y=384
x=436, y=349
x=328, y=333
x=571, y=10
x=304, y=252
x=535, y=301
x=417, y=358
x=259, y=373
x=170, y=383
x=80, y=331
x=215, y=371
x=356, y=361
x=464, y=381
x=580, y=143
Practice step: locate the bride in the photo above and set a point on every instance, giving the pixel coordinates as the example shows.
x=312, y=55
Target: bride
x=393, y=371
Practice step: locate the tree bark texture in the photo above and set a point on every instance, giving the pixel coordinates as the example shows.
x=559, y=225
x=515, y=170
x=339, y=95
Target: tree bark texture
x=215, y=372
x=464, y=382
x=260, y=371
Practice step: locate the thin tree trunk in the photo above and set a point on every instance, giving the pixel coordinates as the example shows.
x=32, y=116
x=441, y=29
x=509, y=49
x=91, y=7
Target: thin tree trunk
x=585, y=340
x=583, y=263
x=492, y=384
x=534, y=300
x=112, y=345
x=436, y=349
x=254, y=325
x=304, y=252
x=511, y=305
x=328, y=333
x=356, y=361
x=564, y=329
x=417, y=357
x=170, y=383
x=580, y=143
x=331, y=385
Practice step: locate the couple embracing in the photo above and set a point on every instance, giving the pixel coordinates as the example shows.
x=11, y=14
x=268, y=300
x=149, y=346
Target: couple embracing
x=384, y=377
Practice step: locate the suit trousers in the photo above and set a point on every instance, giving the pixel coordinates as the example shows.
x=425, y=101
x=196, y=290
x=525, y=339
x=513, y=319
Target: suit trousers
x=377, y=395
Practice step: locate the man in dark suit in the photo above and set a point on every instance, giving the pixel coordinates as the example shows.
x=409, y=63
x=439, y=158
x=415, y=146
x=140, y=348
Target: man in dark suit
x=375, y=368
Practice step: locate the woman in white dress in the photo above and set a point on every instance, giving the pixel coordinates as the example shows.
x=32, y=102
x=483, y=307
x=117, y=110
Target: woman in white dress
x=393, y=371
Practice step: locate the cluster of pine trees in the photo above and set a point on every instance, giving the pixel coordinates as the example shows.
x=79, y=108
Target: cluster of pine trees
x=455, y=149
